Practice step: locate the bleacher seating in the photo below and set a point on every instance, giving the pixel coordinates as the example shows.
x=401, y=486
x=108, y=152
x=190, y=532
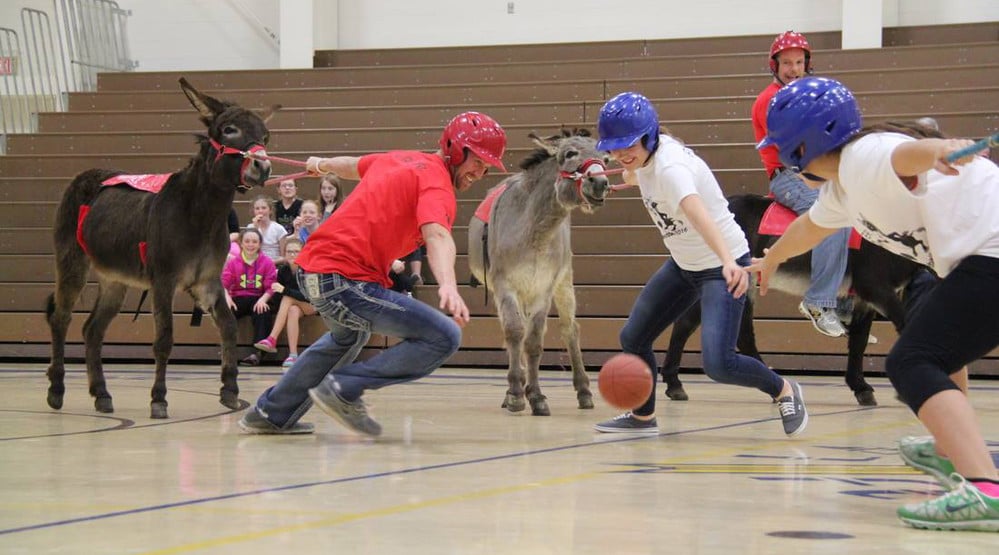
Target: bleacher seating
x=361, y=101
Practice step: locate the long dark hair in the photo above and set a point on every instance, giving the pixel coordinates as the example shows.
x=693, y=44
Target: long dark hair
x=913, y=129
x=337, y=199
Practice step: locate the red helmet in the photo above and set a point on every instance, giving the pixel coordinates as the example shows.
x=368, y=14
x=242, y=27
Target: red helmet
x=476, y=132
x=786, y=41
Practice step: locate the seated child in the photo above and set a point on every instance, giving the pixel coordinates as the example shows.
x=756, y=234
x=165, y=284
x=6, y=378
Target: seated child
x=293, y=305
x=247, y=280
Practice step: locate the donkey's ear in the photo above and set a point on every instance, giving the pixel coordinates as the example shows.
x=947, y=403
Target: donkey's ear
x=267, y=113
x=207, y=106
x=543, y=144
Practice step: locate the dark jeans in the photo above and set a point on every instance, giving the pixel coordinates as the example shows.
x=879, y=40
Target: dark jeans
x=667, y=295
x=353, y=310
x=955, y=325
x=261, y=322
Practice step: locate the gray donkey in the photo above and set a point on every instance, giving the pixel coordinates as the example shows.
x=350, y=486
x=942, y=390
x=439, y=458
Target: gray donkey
x=527, y=258
x=163, y=235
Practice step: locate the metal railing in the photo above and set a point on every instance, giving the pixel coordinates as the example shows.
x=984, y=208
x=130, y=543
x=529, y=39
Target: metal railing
x=88, y=37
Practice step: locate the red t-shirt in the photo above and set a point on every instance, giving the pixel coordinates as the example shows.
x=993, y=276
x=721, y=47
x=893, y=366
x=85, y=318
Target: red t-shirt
x=380, y=219
x=769, y=154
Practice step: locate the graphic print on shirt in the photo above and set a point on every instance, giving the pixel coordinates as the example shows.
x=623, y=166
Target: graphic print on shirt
x=668, y=226
x=910, y=244
x=257, y=279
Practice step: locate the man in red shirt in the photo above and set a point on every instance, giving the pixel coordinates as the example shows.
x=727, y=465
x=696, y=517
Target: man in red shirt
x=790, y=59
x=404, y=199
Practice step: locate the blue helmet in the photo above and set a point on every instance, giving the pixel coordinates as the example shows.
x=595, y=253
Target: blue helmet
x=816, y=113
x=626, y=119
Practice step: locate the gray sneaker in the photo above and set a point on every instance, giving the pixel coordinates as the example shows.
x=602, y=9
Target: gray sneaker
x=627, y=423
x=793, y=413
x=921, y=453
x=254, y=423
x=352, y=414
x=824, y=319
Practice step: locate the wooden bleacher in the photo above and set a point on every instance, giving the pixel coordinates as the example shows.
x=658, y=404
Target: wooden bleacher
x=360, y=101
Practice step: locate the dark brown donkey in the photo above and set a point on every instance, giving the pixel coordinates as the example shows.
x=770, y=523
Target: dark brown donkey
x=160, y=241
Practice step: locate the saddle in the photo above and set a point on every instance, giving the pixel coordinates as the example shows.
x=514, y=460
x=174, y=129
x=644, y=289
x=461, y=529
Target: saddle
x=150, y=183
x=777, y=217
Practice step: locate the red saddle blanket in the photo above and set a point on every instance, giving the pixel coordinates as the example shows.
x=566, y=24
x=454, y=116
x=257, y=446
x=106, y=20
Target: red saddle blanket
x=486, y=206
x=150, y=182
x=777, y=217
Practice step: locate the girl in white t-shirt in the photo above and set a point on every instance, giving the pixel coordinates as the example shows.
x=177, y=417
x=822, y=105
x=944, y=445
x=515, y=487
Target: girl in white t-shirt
x=904, y=195
x=708, y=252
x=271, y=231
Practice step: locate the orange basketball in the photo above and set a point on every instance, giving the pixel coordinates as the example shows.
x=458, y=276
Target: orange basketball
x=625, y=381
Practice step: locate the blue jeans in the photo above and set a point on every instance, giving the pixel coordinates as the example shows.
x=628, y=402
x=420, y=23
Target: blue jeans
x=829, y=256
x=666, y=296
x=353, y=310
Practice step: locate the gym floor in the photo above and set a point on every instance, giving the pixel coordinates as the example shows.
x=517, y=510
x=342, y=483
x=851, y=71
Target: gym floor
x=455, y=473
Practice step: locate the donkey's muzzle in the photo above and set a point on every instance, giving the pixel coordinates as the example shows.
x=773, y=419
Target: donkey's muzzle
x=595, y=189
x=255, y=173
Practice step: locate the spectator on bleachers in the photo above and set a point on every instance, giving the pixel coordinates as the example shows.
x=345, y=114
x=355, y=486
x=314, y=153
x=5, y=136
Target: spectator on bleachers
x=271, y=231
x=307, y=221
x=790, y=59
x=330, y=196
x=292, y=305
x=288, y=206
x=247, y=280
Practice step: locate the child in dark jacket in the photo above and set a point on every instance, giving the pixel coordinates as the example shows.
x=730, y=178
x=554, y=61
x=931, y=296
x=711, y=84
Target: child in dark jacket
x=248, y=280
x=293, y=305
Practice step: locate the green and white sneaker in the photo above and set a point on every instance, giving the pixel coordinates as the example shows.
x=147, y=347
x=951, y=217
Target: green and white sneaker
x=920, y=453
x=964, y=508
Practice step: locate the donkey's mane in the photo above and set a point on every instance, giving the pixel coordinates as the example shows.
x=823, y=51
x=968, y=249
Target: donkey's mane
x=540, y=154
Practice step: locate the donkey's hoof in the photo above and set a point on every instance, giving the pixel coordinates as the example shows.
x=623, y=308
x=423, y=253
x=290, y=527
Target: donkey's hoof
x=513, y=403
x=158, y=409
x=229, y=399
x=104, y=404
x=677, y=393
x=866, y=398
x=55, y=400
x=539, y=406
x=584, y=400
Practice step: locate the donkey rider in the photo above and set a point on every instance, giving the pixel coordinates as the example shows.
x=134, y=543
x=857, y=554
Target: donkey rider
x=790, y=59
x=404, y=198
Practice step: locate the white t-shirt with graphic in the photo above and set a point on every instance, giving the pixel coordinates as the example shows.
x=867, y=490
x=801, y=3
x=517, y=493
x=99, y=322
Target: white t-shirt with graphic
x=271, y=243
x=674, y=173
x=940, y=222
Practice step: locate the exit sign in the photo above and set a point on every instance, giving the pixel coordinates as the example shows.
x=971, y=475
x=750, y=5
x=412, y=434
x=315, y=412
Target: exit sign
x=7, y=65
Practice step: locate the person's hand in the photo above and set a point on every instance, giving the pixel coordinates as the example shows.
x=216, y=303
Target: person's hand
x=297, y=222
x=453, y=304
x=256, y=220
x=398, y=266
x=277, y=287
x=947, y=147
x=231, y=303
x=736, y=277
x=312, y=165
x=766, y=267
x=261, y=306
x=630, y=177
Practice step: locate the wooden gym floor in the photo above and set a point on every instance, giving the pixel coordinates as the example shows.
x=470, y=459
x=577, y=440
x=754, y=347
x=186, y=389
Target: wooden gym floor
x=454, y=473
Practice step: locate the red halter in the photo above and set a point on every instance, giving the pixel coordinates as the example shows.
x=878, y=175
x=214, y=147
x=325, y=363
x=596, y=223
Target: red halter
x=587, y=169
x=248, y=155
